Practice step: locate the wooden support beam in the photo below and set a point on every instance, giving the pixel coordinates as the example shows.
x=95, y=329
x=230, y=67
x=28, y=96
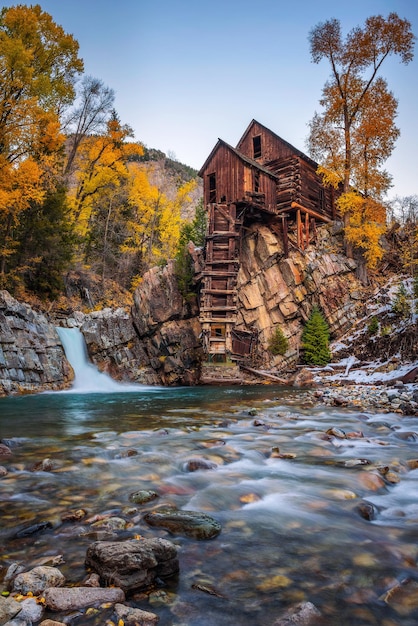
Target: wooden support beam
x=298, y=229
x=319, y=216
x=285, y=235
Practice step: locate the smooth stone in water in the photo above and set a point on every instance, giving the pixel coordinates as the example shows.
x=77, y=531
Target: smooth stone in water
x=187, y=523
x=367, y=510
x=31, y=611
x=303, y=614
x=193, y=465
x=8, y=609
x=142, y=496
x=135, y=616
x=32, y=530
x=38, y=579
x=70, y=598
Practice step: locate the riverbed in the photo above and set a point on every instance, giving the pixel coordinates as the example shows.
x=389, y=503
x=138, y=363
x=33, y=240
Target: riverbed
x=317, y=503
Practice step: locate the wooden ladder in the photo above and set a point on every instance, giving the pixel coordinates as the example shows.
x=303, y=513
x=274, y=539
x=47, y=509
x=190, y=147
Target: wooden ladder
x=218, y=295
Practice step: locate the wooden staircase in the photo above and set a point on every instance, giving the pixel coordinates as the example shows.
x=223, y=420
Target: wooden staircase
x=218, y=295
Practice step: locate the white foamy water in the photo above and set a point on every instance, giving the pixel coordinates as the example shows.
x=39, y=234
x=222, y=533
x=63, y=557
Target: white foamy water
x=87, y=377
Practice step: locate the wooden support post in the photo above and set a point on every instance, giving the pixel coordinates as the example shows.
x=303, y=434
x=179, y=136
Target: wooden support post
x=298, y=229
x=307, y=229
x=285, y=236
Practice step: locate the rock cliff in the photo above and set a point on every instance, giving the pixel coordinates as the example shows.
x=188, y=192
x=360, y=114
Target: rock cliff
x=157, y=341
x=274, y=290
x=31, y=354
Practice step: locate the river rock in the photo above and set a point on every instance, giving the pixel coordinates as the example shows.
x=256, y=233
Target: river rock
x=8, y=609
x=38, y=579
x=303, y=614
x=188, y=523
x=143, y=496
x=34, y=529
x=30, y=612
x=403, y=597
x=133, y=616
x=51, y=622
x=367, y=510
x=5, y=450
x=193, y=465
x=71, y=598
x=112, y=523
x=134, y=563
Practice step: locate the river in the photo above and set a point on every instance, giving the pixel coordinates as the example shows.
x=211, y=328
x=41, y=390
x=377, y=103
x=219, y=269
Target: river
x=286, y=494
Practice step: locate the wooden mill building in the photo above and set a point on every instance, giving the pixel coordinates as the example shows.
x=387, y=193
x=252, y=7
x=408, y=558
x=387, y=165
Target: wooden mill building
x=263, y=178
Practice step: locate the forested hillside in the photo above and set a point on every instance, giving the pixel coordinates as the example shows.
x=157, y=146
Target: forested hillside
x=78, y=193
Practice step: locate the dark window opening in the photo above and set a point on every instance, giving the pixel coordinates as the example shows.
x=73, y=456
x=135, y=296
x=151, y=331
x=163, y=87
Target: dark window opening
x=256, y=181
x=212, y=187
x=257, y=146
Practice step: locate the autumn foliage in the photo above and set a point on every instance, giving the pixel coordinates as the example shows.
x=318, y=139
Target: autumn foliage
x=355, y=133
x=73, y=187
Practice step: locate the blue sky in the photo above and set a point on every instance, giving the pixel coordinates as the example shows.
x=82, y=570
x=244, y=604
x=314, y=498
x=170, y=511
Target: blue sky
x=187, y=72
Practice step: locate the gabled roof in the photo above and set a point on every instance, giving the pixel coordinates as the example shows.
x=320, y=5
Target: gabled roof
x=238, y=154
x=294, y=150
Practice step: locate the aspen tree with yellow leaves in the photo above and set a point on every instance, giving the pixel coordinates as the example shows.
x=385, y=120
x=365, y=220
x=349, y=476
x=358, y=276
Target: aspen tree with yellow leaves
x=101, y=165
x=38, y=66
x=356, y=132
x=153, y=230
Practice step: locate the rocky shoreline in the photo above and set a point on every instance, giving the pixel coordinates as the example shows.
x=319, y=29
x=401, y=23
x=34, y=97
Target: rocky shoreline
x=400, y=398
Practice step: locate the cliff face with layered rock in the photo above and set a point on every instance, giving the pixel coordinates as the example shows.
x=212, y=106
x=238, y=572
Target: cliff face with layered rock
x=274, y=290
x=31, y=355
x=157, y=341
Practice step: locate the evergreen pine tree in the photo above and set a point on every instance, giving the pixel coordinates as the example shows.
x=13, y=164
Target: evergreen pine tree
x=278, y=343
x=401, y=305
x=315, y=339
x=46, y=245
x=373, y=326
x=190, y=231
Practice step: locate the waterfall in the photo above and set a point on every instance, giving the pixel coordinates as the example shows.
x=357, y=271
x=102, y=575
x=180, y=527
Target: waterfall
x=87, y=378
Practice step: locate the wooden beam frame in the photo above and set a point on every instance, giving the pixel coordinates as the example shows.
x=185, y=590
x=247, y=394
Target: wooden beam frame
x=318, y=216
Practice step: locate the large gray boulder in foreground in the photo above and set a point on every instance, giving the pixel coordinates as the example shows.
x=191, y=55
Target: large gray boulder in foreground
x=134, y=563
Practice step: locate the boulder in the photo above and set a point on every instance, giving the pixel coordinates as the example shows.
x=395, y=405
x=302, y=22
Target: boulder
x=134, y=563
x=72, y=598
x=188, y=523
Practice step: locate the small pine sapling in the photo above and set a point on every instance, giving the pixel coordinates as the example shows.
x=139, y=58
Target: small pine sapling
x=278, y=343
x=373, y=326
x=315, y=339
x=401, y=305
